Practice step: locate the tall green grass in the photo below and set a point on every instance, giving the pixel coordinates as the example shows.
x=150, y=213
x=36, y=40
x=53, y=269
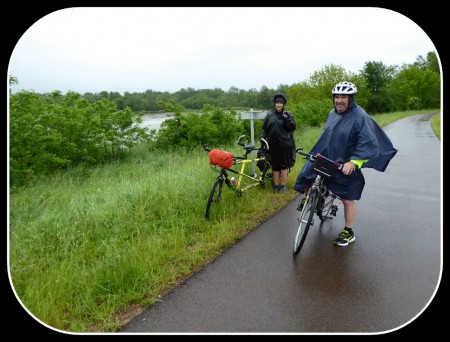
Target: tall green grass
x=92, y=247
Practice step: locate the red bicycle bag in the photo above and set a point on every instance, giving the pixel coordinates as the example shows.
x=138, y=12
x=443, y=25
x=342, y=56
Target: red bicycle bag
x=221, y=158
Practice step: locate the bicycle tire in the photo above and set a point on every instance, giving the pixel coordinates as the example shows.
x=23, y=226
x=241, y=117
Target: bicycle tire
x=214, y=196
x=323, y=213
x=305, y=220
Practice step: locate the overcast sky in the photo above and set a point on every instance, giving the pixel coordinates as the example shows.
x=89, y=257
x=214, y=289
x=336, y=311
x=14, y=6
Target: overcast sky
x=89, y=49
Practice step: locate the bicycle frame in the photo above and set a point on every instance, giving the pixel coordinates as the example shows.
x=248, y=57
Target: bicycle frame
x=256, y=179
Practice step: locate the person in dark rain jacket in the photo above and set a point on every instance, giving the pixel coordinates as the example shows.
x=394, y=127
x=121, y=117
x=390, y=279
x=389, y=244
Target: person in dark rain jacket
x=353, y=138
x=277, y=130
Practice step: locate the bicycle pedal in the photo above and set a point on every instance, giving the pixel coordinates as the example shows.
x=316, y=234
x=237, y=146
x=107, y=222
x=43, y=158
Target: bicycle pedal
x=334, y=209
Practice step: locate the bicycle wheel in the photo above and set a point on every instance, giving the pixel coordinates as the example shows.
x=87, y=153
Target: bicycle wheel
x=327, y=206
x=305, y=220
x=214, y=196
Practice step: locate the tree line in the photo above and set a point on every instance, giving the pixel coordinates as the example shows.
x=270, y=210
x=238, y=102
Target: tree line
x=382, y=89
x=52, y=131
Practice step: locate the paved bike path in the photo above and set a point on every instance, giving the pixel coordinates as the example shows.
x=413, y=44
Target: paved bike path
x=381, y=283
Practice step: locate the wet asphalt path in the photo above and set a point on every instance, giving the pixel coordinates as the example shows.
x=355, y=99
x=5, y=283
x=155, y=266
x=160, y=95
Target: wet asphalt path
x=381, y=283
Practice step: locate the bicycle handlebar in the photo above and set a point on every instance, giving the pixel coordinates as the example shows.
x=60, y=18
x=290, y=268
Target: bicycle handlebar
x=249, y=148
x=308, y=155
x=312, y=157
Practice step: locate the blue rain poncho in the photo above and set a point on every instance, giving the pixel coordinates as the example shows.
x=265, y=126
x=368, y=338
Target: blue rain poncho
x=352, y=135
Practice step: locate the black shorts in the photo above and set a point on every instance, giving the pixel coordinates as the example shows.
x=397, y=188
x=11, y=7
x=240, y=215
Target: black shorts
x=277, y=167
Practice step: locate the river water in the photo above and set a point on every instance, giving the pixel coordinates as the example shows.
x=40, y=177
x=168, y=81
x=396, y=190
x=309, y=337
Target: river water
x=153, y=121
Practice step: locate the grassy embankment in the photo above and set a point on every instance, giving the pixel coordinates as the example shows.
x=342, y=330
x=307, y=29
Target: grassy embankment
x=90, y=248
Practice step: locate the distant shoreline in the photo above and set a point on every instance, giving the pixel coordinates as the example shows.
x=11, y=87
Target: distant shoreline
x=158, y=115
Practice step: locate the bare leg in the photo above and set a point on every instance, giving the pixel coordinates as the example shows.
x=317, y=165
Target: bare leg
x=276, y=177
x=350, y=211
x=284, y=174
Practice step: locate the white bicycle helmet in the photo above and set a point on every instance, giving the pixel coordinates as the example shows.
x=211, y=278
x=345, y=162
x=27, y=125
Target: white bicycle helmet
x=344, y=88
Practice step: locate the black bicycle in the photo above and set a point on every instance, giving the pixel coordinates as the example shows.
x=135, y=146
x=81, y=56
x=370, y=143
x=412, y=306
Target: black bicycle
x=318, y=200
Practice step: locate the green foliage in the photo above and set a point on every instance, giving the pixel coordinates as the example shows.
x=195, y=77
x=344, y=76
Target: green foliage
x=265, y=97
x=323, y=81
x=431, y=62
x=415, y=88
x=378, y=76
x=380, y=103
x=312, y=112
x=53, y=132
x=299, y=92
x=213, y=126
x=436, y=124
x=311, y=101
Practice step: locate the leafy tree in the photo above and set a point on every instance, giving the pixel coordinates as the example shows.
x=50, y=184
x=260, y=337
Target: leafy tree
x=415, y=87
x=380, y=103
x=299, y=92
x=183, y=93
x=265, y=97
x=249, y=99
x=430, y=62
x=312, y=112
x=378, y=75
x=311, y=100
x=213, y=127
x=172, y=132
x=90, y=97
x=51, y=131
x=198, y=100
x=322, y=81
x=433, y=62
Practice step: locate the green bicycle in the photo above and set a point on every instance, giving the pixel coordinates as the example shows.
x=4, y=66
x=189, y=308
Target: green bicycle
x=246, y=177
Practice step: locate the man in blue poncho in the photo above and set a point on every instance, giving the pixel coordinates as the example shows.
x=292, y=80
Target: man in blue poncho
x=353, y=138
